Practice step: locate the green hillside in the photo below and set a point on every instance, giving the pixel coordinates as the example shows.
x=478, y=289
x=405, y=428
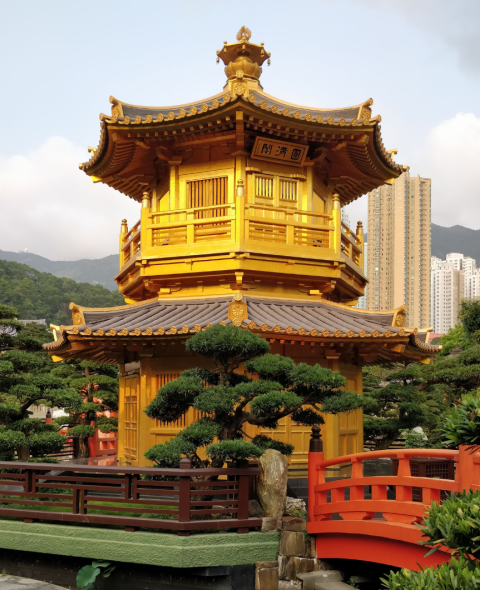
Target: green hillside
x=98, y=272
x=455, y=239
x=38, y=295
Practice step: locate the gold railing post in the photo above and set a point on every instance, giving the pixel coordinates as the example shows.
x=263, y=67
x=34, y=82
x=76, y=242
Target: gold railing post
x=336, y=235
x=144, y=222
x=240, y=212
x=360, y=237
x=123, y=233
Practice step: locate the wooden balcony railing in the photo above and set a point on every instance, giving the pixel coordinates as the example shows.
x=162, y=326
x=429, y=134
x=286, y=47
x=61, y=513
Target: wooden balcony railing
x=186, y=500
x=238, y=221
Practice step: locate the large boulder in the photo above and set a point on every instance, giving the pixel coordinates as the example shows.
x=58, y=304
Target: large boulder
x=272, y=483
x=294, y=505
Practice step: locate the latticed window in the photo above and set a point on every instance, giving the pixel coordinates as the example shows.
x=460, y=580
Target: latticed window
x=264, y=186
x=288, y=190
x=206, y=195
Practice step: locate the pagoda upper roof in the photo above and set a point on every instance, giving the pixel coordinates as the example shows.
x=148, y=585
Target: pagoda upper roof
x=320, y=321
x=349, y=137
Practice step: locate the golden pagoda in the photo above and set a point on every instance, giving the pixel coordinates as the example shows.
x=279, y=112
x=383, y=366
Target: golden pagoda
x=241, y=198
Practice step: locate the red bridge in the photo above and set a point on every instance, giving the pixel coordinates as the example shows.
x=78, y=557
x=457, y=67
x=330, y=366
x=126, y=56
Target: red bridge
x=352, y=517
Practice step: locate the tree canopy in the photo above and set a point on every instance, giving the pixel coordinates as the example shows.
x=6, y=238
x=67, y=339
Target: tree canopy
x=26, y=378
x=271, y=388
x=38, y=295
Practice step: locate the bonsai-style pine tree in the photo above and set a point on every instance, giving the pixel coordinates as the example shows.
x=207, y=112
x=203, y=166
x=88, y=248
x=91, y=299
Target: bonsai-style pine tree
x=400, y=405
x=271, y=388
x=97, y=384
x=26, y=378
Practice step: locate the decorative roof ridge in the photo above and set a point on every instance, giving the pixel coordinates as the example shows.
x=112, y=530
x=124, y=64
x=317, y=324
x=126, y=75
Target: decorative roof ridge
x=115, y=102
x=359, y=106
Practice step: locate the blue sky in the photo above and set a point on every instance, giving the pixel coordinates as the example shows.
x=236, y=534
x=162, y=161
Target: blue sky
x=418, y=60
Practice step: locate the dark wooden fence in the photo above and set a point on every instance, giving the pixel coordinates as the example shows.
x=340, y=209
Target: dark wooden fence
x=183, y=501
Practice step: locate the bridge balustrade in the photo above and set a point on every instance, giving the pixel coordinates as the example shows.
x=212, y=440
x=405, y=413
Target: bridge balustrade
x=373, y=518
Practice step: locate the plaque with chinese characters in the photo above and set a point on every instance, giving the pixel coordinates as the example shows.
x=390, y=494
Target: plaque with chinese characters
x=279, y=151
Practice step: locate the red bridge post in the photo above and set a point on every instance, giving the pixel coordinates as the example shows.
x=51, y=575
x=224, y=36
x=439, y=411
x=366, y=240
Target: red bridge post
x=315, y=457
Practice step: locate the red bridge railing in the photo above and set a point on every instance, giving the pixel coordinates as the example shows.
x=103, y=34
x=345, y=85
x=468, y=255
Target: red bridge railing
x=357, y=508
x=183, y=500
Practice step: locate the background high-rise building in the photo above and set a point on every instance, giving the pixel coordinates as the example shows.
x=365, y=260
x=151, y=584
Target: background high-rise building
x=447, y=290
x=362, y=302
x=398, y=261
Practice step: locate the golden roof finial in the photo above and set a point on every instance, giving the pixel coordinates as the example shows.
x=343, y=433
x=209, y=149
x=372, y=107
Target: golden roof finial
x=243, y=59
x=244, y=34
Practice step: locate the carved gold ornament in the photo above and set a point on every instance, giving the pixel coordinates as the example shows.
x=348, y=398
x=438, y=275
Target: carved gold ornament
x=289, y=330
x=149, y=332
x=237, y=310
x=123, y=332
x=264, y=327
x=138, y=119
x=277, y=328
x=296, y=114
x=366, y=121
x=114, y=119
x=308, y=117
x=99, y=332
x=252, y=98
x=137, y=332
x=301, y=331
x=388, y=333
x=215, y=104
x=87, y=332
x=274, y=109
x=148, y=118
x=400, y=320
x=285, y=112
x=337, y=333
x=244, y=34
x=239, y=74
x=182, y=113
x=116, y=111
x=185, y=330
x=252, y=325
x=204, y=107
x=74, y=331
x=112, y=332
x=353, y=122
x=226, y=98
x=173, y=330
x=319, y=119
x=331, y=120
x=77, y=319
x=362, y=334
x=313, y=332
x=171, y=116
x=375, y=333
x=237, y=322
x=160, y=117
x=222, y=323
x=350, y=334
x=193, y=111
x=197, y=328
x=209, y=325
x=326, y=333
x=263, y=104
x=341, y=122
x=238, y=296
x=161, y=331
x=401, y=332
x=126, y=120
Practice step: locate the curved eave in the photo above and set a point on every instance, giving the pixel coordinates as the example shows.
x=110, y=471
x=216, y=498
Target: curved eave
x=309, y=121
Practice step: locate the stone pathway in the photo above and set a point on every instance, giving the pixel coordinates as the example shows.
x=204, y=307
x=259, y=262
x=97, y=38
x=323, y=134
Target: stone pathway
x=16, y=583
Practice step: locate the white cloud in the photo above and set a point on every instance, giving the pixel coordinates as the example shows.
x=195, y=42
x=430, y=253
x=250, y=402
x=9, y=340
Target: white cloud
x=53, y=209
x=452, y=161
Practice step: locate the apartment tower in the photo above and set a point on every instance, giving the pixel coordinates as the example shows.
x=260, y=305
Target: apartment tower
x=398, y=262
x=447, y=290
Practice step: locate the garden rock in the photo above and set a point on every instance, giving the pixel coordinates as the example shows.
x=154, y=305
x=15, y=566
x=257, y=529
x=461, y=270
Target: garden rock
x=272, y=483
x=293, y=505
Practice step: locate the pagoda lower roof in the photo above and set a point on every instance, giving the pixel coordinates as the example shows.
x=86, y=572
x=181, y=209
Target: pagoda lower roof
x=316, y=321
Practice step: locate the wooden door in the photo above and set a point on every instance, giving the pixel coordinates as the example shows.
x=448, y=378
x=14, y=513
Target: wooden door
x=131, y=418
